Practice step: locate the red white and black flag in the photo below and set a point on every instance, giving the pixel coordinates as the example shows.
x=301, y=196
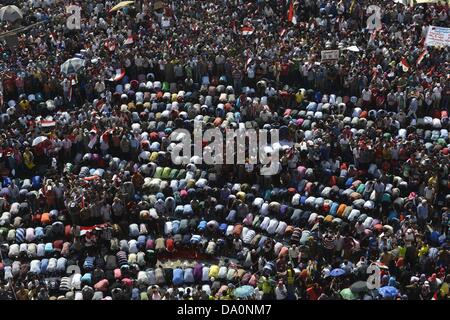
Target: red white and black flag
x=247, y=30
x=405, y=65
x=422, y=56
x=291, y=17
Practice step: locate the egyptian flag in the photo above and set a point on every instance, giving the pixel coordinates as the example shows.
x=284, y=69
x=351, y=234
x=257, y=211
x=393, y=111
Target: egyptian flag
x=120, y=73
x=430, y=72
x=100, y=103
x=129, y=40
x=282, y=32
x=405, y=65
x=110, y=45
x=53, y=38
x=47, y=123
x=421, y=57
x=247, y=30
x=105, y=136
x=290, y=12
x=422, y=42
x=87, y=229
x=93, y=140
x=248, y=60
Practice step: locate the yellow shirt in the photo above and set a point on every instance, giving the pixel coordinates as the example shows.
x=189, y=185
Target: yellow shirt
x=423, y=251
x=28, y=160
x=401, y=252
x=214, y=271
x=433, y=181
x=299, y=97
x=24, y=104
x=444, y=289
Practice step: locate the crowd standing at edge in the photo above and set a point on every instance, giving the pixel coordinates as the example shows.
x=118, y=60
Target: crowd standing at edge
x=93, y=210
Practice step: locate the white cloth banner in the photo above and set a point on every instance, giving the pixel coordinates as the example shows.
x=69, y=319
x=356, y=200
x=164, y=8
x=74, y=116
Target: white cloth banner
x=329, y=55
x=432, y=1
x=437, y=36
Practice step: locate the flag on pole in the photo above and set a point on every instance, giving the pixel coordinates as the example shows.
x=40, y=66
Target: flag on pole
x=290, y=13
x=405, y=65
x=422, y=42
x=120, y=73
x=93, y=141
x=53, y=38
x=129, y=40
x=105, y=136
x=294, y=16
x=247, y=63
x=421, y=57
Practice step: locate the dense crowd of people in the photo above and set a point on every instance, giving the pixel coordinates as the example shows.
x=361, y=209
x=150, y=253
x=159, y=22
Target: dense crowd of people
x=93, y=206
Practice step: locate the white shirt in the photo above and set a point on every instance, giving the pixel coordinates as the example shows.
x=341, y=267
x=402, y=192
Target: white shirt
x=366, y=95
x=281, y=292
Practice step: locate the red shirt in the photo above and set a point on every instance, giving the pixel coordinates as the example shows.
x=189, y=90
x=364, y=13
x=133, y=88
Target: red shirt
x=313, y=294
x=170, y=245
x=284, y=69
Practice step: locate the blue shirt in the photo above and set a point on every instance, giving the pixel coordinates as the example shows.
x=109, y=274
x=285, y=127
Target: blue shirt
x=422, y=211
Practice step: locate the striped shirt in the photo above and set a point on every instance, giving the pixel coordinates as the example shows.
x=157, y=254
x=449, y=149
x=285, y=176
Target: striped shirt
x=20, y=235
x=296, y=234
x=122, y=258
x=329, y=242
x=65, y=284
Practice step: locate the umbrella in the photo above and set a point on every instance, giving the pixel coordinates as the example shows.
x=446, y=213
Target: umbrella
x=388, y=292
x=39, y=140
x=359, y=287
x=10, y=14
x=337, y=272
x=121, y=5
x=353, y=49
x=347, y=294
x=244, y=291
x=72, y=65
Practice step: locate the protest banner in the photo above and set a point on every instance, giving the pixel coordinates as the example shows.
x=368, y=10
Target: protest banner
x=329, y=55
x=437, y=36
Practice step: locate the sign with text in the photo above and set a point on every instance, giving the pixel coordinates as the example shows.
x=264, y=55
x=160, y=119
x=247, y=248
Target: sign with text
x=329, y=55
x=438, y=36
x=374, y=20
x=74, y=20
